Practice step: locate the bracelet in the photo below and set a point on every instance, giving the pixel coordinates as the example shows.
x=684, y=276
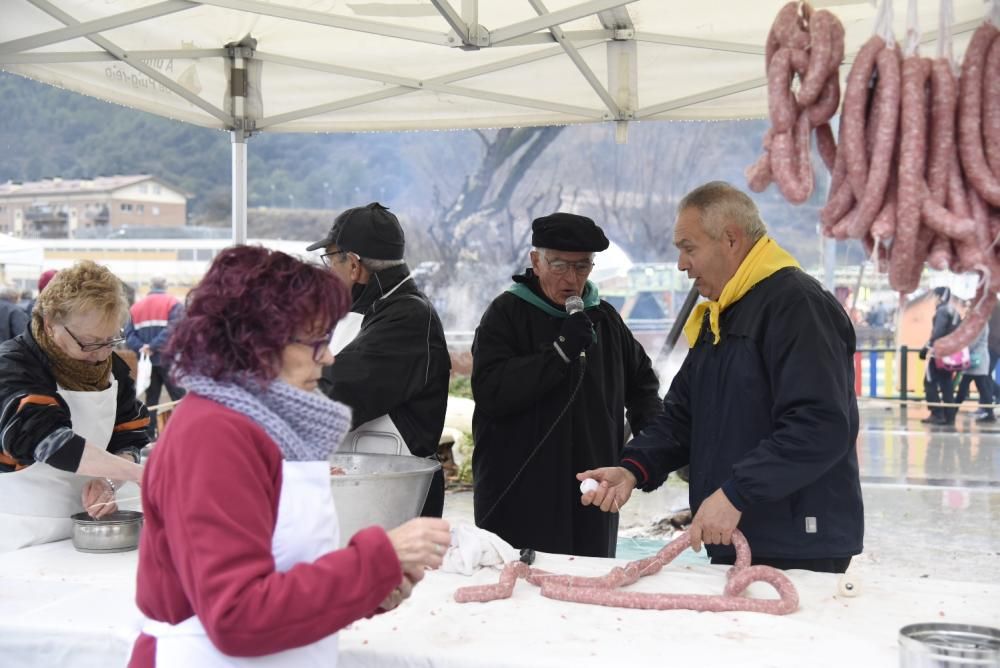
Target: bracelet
x=112, y=485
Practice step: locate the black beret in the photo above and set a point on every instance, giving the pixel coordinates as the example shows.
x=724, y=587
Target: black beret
x=370, y=231
x=568, y=232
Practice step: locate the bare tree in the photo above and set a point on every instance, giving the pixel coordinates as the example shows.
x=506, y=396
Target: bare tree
x=633, y=189
x=484, y=221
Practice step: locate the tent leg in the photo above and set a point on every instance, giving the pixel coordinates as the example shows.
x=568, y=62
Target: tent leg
x=239, y=187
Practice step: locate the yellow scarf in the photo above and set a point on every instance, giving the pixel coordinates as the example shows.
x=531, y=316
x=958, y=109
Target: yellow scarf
x=765, y=258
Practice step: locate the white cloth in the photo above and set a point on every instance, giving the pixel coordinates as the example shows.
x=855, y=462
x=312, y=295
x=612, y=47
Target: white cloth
x=306, y=529
x=38, y=500
x=473, y=548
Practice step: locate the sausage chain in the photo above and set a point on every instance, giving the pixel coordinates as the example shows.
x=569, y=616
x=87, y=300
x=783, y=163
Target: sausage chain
x=606, y=589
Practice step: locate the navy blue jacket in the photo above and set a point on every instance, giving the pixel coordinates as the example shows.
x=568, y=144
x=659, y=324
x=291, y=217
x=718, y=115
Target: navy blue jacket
x=770, y=416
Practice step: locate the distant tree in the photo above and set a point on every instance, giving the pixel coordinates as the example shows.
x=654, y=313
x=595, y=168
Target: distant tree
x=632, y=189
x=488, y=218
x=477, y=224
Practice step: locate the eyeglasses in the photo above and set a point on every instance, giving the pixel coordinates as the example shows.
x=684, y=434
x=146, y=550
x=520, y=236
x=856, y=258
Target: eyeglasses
x=560, y=267
x=327, y=257
x=319, y=346
x=93, y=347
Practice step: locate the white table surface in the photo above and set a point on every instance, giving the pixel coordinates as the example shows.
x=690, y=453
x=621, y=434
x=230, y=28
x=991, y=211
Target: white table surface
x=59, y=607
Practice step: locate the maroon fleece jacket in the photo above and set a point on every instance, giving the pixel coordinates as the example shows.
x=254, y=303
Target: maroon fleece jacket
x=210, y=497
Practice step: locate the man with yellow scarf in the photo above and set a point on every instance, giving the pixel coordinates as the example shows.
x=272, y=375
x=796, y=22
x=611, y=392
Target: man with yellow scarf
x=763, y=408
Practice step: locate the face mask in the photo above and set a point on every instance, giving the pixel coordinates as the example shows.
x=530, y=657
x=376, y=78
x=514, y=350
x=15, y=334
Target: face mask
x=356, y=291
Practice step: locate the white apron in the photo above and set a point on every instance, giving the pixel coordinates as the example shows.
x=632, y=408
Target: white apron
x=305, y=530
x=38, y=500
x=380, y=435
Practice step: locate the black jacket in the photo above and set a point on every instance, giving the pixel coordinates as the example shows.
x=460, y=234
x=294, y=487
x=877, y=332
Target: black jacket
x=946, y=321
x=521, y=386
x=770, y=416
x=399, y=363
x=31, y=409
x=13, y=320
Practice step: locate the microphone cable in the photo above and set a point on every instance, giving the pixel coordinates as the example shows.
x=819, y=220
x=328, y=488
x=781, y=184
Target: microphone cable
x=569, y=402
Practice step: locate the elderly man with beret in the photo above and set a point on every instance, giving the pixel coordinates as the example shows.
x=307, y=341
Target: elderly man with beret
x=391, y=361
x=552, y=391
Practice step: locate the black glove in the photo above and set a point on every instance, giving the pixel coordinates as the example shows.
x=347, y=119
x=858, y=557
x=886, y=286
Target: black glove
x=575, y=335
x=923, y=352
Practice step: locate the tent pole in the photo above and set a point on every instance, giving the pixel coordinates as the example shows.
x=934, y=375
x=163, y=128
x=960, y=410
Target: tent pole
x=239, y=187
x=239, y=55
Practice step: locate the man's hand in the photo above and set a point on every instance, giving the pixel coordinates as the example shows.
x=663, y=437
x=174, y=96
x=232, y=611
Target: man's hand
x=714, y=522
x=615, y=485
x=575, y=335
x=145, y=349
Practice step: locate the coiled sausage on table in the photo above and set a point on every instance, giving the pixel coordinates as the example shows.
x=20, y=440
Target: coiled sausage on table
x=605, y=590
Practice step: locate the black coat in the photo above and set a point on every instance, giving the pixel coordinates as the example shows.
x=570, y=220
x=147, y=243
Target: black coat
x=946, y=321
x=13, y=320
x=28, y=415
x=770, y=416
x=397, y=365
x=521, y=386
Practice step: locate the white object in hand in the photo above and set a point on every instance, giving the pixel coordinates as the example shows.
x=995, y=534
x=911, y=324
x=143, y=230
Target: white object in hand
x=589, y=485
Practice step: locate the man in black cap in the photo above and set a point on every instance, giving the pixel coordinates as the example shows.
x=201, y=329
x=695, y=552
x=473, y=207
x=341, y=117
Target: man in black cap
x=552, y=390
x=392, y=364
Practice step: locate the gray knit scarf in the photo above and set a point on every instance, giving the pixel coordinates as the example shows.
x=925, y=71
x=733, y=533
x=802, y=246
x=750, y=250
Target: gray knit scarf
x=307, y=426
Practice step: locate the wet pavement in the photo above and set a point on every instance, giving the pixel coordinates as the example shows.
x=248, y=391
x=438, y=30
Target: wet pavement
x=895, y=448
x=932, y=494
x=932, y=498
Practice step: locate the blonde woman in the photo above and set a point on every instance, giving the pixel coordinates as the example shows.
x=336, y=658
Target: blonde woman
x=70, y=425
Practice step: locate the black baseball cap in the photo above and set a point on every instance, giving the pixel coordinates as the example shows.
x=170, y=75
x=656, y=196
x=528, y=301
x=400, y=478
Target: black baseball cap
x=370, y=231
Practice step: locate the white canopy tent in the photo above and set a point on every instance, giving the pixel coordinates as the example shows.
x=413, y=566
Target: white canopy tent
x=248, y=66
x=16, y=252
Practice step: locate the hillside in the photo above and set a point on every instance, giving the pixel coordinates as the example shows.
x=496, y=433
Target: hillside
x=630, y=189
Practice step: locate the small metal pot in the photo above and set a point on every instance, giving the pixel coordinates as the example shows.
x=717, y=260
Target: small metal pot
x=948, y=646
x=117, y=532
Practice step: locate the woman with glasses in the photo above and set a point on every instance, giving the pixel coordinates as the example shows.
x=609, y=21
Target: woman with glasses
x=70, y=426
x=238, y=555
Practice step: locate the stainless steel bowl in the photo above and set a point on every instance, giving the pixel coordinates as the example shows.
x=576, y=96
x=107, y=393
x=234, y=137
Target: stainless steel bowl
x=117, y=532
x=386, y=490
x=941, y=645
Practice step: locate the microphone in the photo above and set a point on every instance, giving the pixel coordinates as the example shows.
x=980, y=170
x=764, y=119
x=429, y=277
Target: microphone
x=574, y=305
